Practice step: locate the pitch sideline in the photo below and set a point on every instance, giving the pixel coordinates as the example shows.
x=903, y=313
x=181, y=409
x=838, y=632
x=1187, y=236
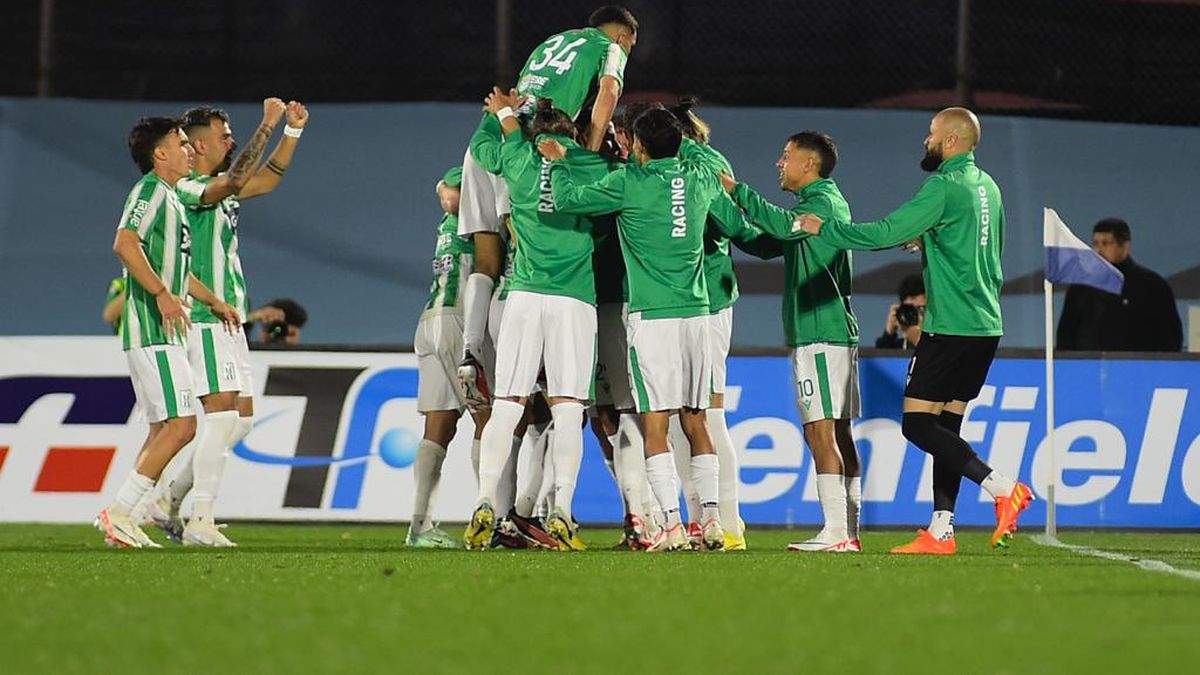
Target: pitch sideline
x=1143, y=563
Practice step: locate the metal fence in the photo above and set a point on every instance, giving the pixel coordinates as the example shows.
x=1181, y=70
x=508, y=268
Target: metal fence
x=1122, y=60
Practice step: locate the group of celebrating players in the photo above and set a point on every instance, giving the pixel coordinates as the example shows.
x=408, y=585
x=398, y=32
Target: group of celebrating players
x=583, y=264
x=593, y=249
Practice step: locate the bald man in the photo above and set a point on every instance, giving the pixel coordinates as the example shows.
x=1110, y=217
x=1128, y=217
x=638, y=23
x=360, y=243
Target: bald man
x=957, y=219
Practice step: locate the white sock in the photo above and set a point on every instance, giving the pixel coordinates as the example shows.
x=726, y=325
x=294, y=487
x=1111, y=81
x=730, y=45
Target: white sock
x=941, y=526
x=614, y=468
x=506, y=489
x=477, y=299
x=681, y=450
x=545, y=498
x=496, y=446
x=244, y=426
x=660, y=469
x=630, y=454
x=475, y=443
x=567, y=450
x=997, y=485
x=831, y=489
x=704, y=475
x=208, y=462
x=527, y=498
x=181, y=484
x=727, y=485
x=135, y=486
x=427, y=470
x=853, y=504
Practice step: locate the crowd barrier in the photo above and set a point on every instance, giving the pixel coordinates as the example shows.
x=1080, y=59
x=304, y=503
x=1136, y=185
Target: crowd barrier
x=336, y=432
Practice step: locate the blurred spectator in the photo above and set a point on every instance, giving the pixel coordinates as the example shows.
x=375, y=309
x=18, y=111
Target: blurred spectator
x=904, y=320
x=1142, y=318
x=114, y=306
x=280, y=322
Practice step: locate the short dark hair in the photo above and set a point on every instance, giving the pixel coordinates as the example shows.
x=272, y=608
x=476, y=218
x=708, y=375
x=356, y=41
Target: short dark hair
x=550, y=120
x=293, y=313
x=693, y=127
x=625, y=117
x=613, y=14
x=1118, y=228
x=146, y=134
x=820, y=143
x=659, y=132
x=911, y=285
x=201, y=116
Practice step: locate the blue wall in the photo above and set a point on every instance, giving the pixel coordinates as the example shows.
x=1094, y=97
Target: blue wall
x=350, y=231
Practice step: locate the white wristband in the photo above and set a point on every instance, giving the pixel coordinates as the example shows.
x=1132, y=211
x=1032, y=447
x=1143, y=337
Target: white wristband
x=293, y=132
x=504, y=113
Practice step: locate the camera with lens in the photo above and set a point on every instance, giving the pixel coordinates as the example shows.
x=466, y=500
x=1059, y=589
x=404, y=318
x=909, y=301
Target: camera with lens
x=908, y=315
x=276, y=332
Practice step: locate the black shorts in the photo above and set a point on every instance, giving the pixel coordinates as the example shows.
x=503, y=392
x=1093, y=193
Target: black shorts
x=949, y=367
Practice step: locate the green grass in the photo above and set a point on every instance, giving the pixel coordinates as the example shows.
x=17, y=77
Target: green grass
x=352, y=599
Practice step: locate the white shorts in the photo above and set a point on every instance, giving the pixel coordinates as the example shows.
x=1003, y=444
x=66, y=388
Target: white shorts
x=162, y=380
x=439, y=344
x=546, y=330
x=214, y=357
x=826, y=378
x=612, y=357
x=720, y=333
x=670, y=362
x=483, y=199
x=243, y=361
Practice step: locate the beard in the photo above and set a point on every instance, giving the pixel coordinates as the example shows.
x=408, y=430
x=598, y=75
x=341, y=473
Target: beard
x=932, y=159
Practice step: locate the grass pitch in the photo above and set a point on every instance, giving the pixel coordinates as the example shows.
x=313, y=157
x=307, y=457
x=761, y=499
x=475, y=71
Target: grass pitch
x=319, y=598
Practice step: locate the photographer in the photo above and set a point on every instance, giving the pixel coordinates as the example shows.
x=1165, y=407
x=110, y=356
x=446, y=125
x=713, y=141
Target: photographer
x=904, y=321
x=280, y=322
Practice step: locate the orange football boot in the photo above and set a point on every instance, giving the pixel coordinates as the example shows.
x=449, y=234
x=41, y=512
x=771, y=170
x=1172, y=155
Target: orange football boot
x=1007, y=510
x=926, y=544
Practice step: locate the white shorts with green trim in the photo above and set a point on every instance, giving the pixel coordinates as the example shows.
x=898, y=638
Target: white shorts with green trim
x=612, y=362
x=826, y=378
x=439, y=344
x=720, y=333
x=483, y=199
x=243, y=360
x=670, y=362
x=162, y=381
x=546, y=330
x=213, y=356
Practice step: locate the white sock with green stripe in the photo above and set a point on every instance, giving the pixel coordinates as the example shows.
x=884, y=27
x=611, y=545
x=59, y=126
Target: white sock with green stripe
x=496, y=446
x=660, y=469
x=567, y=451
x=208, y=463
x=727, y=484
x=427, y=471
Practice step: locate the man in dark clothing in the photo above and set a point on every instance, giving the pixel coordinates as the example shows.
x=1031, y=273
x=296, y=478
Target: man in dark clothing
x=1143, y=318
x=906, y=318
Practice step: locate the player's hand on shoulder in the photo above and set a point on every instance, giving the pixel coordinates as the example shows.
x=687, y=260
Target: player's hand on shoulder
x=808, y=222
x=552, y=149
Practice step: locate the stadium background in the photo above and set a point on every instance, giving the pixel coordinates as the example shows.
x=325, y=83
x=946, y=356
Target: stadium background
x=392, y=88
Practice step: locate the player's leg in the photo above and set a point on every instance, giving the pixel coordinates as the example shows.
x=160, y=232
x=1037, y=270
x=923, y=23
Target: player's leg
x=518, y=360
x=696, y=352
x=681, y=452
x=162, y=381
x=852, y=477
x=720, y=335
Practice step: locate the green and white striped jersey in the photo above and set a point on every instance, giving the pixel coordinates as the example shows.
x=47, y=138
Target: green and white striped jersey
x=154, y=212
x=452, y=261
x=215, y=260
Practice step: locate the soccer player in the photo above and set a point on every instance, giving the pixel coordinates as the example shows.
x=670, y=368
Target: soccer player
x=958, y=219
x=570, y=69
x=662, y=207
x=438, y=344
x=820, y=327
x=220, y=361
x=550, y=314
x=153, y=244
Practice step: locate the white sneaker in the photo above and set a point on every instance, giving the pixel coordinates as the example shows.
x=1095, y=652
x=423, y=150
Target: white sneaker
x=712, y=535
x=824, y=542
x=670, y=539
x=204, y=533
x=144, y=539
x=118, y=528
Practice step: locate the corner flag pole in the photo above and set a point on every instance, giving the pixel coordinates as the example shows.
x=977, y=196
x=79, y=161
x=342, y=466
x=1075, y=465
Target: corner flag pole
x=1051, y=524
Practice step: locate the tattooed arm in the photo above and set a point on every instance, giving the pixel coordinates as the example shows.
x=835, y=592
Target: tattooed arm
x=269, y=174
x=234, y=180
